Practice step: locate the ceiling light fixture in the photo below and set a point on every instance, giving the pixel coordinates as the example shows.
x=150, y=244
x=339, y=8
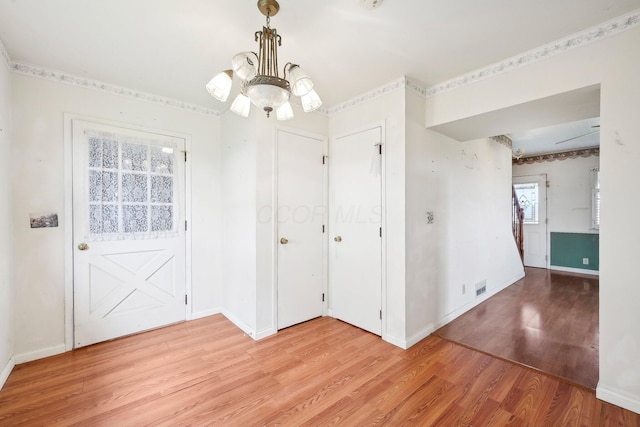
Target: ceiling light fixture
x=258, y=72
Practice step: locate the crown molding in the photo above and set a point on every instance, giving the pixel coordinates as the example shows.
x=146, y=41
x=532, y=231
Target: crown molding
x=5, y=55
x=503, y=140
x=401, y=83
x=573, y=154
x=60, y=77
x=599, y=32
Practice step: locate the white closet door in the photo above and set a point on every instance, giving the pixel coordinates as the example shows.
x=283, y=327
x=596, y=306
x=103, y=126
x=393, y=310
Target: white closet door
x=356, y=220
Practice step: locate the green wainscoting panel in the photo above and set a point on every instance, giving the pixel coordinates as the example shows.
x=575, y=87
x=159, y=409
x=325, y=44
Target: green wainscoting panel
x=570, y=249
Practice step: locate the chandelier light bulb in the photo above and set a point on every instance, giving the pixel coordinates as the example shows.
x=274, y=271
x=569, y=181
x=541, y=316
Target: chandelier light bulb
x=311, y=101
x=300, y=81
x=284, y=112
x=220, y=86
x=241, y=105
x=245, y=65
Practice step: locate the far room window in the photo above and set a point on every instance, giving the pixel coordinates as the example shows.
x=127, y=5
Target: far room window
x=595, y=199
x=527, y=194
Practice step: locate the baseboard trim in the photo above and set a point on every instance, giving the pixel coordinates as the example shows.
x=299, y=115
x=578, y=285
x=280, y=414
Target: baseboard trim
x=40, y=354
x=398, y=342
x=205, y=313
x=411, y=341
x=618, y=399
x=240, y=324
x=575, y=270
x=4, y=375
x=265, y=333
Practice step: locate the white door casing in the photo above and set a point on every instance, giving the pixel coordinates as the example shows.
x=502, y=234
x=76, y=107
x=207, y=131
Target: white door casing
x=129, y=248
x=355, y=223
x=535, y=234
x=300, y=221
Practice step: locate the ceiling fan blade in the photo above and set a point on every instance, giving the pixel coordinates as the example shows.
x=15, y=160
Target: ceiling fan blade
x=576, y=137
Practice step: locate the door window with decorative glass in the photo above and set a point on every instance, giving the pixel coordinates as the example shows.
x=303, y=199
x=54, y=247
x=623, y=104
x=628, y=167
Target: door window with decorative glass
x=130, y=187
x=527, y=194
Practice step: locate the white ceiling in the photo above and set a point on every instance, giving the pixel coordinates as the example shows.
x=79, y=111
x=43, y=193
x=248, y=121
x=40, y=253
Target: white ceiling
x=172, y=48
x=553, y=139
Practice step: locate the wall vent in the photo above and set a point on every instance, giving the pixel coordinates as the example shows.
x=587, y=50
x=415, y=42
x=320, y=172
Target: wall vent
x=481, y=288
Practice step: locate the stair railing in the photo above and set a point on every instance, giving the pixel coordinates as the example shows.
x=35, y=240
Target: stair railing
x=517, y=222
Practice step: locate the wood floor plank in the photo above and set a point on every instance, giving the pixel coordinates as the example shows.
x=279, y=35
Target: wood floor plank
x=322, y=372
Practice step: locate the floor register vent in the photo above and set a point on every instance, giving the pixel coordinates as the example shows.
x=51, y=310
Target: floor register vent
x=481, y=288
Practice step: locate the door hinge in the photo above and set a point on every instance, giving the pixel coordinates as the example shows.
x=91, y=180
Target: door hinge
x=185, y=156
x=380, y=231
x=380, y=314
x=322, y=297
x=323, y=228
x=546, y=220
x=185, y=226
x=185, y=300
x=546, y=257
x=324, y=158
x=380, y=148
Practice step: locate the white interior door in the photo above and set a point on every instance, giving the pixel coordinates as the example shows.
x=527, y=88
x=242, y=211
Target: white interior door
x=356, y=220
x=301, y=219
x=531, y=191
x=128, y=231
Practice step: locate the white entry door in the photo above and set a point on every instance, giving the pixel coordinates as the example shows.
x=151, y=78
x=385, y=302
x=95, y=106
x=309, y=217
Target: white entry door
x=128, y=231
x=301, y=219
x=356, y=220
x=531, y=191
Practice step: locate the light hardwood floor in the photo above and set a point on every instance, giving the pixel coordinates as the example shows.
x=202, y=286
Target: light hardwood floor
x=547, y=320
x=322, y=372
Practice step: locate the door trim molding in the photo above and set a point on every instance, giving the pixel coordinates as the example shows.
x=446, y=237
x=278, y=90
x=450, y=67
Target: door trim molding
x=68, y=216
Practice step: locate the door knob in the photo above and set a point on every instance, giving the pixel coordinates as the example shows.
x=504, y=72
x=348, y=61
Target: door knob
x=83, y=246
x=338, y=239
x=284, y=241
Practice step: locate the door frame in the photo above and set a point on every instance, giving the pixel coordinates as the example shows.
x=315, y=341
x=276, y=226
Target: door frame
x=68, y=214
x=325, y=201
x=383, y=220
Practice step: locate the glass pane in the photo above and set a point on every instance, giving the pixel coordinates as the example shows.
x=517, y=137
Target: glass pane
x=103, y=153
x=103, y=219
x=134, y=157
x=161, y=218
x=134, y=218
x=103, y=186
x=162, y=159
x=161, y=189
x=134, y=187
x=528, y=198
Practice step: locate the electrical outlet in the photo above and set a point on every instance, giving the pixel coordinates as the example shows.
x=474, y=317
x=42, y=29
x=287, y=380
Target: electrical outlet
x=585, y=261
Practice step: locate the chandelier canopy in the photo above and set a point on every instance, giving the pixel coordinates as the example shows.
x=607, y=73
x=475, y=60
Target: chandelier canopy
x=260, y=83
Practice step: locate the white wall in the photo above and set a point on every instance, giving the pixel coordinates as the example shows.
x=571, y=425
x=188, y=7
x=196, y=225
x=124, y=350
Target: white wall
x=607, y=62
x=238, y=220
x=39, y=186
x=6, y=282
x=568, y=192
x=467, y=186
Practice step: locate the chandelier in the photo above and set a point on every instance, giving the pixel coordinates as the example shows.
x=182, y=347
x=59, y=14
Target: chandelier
x=260, y=83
